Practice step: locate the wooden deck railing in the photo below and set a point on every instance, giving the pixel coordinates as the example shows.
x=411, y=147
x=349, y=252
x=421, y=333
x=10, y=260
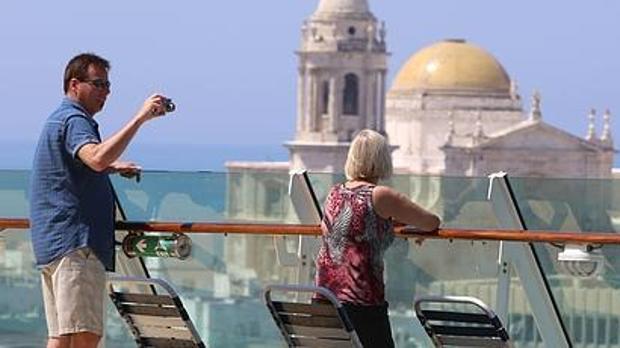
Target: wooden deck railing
x=310, y=230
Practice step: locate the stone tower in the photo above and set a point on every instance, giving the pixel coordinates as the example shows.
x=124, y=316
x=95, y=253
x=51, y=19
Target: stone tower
x=341, y=83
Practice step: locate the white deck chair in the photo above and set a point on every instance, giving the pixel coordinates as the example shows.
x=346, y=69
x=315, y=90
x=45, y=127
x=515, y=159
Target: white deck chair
x=460, y=321
x=324, y=325
x=155, y=320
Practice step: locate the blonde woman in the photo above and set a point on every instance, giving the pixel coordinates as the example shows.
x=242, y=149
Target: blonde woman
x=357, y=228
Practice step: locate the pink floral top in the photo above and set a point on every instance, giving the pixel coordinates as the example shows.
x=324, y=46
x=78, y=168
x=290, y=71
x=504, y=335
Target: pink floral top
x=355, y=237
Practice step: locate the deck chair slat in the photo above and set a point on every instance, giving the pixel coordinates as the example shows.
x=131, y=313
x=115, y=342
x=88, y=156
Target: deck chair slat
x=314, y=321
x=147, y=320
x=317, y=309
x=456, y=316
x=144, y=299
x=318, y=332
x=157, y=342
x=320, y=343
x=166, y=332
x=151, y=310
x=471, y=342
x=465, y=331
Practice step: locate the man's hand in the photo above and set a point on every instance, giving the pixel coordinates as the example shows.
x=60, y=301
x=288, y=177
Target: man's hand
x=125, y=169
x=154, y=106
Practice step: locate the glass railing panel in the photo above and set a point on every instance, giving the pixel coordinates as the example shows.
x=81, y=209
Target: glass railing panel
x=173, y=196
x=257, y=196
x=22, y=315
x=14, y=193
x=460, y=201
x=585, y=291
x=221, y=286
x=22, y=318
x=206, y=196
x=223, y=293
x=263, y=196
x=568, y=204
x=445, y=268
x=22, y=322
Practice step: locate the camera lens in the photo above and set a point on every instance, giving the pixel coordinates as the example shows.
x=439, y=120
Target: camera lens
x=170, y=107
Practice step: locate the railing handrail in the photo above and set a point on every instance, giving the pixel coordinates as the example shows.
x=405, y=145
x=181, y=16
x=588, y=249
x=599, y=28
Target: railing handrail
x=314, y=230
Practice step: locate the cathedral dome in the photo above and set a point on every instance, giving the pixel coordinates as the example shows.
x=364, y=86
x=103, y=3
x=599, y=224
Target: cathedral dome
x=343, y=6
x=452, y=65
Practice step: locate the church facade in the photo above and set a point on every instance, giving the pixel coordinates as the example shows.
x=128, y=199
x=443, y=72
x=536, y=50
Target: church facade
x=453, y=110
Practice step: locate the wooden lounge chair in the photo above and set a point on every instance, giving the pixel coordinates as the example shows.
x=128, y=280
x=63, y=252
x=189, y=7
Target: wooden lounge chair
x=460, y=321
x=323, y=324
x=155, y=320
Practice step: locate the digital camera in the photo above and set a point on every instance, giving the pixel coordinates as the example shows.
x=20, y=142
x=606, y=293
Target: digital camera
x=169, y=105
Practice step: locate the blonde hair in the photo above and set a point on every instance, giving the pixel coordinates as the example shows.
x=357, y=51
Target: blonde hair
x=369, y=157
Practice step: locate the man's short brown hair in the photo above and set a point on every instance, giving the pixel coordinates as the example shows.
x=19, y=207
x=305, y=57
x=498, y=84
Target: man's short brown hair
x=78, y=67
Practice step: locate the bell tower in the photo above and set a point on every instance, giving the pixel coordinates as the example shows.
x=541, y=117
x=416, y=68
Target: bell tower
x=341, y=83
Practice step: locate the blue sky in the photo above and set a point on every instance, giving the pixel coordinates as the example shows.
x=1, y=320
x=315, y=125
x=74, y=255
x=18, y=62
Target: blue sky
x=230, y=65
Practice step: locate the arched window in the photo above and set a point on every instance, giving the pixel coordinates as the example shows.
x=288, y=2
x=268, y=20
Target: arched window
x=350, y=95
x=325, y=98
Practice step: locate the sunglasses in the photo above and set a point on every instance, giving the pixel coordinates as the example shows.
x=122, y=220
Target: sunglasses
x=99, y=83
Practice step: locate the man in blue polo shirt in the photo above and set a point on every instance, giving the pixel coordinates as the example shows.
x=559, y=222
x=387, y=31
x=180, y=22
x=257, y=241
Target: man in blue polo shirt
x=72, y=203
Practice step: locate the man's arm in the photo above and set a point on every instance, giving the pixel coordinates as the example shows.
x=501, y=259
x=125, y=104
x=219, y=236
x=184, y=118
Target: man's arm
x=99, y=157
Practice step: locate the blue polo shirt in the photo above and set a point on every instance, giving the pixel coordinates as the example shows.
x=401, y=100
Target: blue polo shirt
x=71, y=206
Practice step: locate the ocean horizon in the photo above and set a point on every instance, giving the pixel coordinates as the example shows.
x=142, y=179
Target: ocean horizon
x=170, y=157
x=173, y=157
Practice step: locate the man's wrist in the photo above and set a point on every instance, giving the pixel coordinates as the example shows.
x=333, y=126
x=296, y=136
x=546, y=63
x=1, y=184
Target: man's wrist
x=139, y=120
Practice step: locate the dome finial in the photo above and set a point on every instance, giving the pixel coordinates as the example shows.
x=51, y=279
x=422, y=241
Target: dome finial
x=591, y=130
x=535, y=112
x=606, y=137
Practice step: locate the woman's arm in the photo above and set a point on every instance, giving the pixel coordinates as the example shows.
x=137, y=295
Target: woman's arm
x=390, y=203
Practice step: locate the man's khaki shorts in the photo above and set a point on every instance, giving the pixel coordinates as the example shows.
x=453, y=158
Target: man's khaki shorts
x=73, y=294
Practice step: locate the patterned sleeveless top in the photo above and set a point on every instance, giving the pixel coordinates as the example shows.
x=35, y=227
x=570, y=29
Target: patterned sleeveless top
x=355, y=237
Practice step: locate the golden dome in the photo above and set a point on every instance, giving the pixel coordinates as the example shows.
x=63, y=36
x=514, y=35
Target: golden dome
x=452, y=65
